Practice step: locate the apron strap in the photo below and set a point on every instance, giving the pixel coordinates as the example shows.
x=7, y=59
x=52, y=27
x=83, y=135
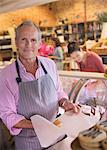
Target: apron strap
x=45, y=71
x=43, y=68
x=18, y=79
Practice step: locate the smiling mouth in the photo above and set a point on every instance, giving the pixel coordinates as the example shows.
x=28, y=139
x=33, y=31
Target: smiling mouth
x=28, y=50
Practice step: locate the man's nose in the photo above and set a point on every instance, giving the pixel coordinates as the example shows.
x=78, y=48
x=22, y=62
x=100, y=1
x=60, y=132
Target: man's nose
x=28, y=43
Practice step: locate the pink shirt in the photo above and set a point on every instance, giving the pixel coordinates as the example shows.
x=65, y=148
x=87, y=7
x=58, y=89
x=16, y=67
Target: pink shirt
x=9, y=91
x=93, y=63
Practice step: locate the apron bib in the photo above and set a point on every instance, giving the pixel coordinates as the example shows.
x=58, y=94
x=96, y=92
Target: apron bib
x=35, y=97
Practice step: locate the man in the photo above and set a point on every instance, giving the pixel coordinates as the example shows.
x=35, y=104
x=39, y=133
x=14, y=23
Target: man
x=30, y=86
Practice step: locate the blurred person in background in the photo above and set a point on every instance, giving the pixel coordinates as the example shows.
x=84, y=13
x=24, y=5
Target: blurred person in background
x=58, y=53
x=87, y=61
x=45, y=49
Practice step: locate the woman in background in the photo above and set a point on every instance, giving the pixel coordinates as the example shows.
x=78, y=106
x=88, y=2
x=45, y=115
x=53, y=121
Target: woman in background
x=87, y=61
x=58, y=53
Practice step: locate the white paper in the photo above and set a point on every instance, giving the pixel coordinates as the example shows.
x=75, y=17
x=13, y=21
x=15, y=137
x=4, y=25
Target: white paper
x=72, y=123
x=47, y=133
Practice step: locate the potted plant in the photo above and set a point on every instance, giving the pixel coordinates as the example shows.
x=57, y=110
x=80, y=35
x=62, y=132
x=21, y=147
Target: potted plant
x=102, y=17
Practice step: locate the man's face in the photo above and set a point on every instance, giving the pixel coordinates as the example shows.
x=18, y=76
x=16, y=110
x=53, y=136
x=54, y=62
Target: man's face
x=27, y=42
x=77, y=56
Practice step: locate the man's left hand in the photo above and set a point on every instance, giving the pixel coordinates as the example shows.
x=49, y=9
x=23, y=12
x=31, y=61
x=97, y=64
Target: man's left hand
x=68, y=106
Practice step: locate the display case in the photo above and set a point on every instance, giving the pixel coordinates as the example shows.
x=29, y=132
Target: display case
x=85, y=88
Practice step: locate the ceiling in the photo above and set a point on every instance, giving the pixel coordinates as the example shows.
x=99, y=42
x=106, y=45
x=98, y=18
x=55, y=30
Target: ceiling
x=10, y=5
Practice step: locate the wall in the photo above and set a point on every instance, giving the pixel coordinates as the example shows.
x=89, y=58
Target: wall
x=36, y=13
x=74, y=9
x=50, y=14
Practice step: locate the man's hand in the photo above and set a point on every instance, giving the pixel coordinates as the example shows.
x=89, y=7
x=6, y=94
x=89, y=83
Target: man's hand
x=69, y=106
x=24, y=124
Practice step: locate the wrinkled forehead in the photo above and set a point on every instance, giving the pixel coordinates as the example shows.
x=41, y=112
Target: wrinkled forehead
x=28, y=29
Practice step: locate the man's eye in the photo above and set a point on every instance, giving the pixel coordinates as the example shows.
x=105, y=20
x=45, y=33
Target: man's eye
x=23, y=39
x=34, y=40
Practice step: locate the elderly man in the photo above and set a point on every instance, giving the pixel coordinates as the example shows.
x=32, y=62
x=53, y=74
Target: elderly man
x=29, y=86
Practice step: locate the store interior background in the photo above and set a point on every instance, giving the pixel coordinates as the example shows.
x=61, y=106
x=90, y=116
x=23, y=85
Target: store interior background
x=69, y=17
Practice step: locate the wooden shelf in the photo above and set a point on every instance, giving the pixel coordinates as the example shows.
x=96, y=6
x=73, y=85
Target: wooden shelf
x=5, y=37
x=100, y=51
x=5, y=46
x=75, y=31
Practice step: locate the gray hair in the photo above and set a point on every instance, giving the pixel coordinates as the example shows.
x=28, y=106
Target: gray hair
x=28, y=23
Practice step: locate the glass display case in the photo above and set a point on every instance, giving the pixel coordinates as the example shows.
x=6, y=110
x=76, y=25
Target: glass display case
x=85, y=88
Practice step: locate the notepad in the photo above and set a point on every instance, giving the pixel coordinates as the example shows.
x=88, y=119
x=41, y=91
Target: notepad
x=47, y=133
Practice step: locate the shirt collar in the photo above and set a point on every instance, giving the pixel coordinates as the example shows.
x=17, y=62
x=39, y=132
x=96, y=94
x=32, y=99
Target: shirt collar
x=22, y=67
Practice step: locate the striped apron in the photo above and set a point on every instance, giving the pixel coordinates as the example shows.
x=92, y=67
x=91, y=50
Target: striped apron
x=35, y=97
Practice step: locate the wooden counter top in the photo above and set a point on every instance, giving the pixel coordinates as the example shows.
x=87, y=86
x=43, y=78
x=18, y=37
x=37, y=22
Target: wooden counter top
x=79, y=74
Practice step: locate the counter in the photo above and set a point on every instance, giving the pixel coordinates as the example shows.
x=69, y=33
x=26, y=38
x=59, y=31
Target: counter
x=70, y=124
x=79, y=74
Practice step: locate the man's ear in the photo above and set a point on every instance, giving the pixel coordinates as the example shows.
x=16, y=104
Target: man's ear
x=39, y=44
x=15, y=42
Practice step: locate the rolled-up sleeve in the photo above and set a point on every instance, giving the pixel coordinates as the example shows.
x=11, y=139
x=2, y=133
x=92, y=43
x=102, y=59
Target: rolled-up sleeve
x=8, y=111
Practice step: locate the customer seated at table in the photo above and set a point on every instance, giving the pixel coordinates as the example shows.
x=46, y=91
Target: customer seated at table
x=87, y=60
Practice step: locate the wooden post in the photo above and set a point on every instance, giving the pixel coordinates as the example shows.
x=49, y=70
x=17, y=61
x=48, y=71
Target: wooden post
x=85, y=20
